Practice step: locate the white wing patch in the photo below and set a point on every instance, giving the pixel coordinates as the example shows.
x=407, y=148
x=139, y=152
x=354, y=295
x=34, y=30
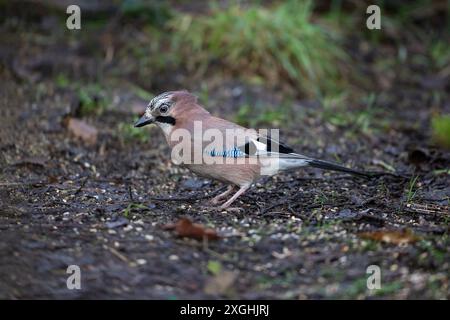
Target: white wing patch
x=261, y=148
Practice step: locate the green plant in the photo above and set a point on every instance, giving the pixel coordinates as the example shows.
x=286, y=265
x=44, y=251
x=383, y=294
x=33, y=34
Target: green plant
x=92, y=98
x=365, y=119
x=355, y=289
x=215, y=267
x=129, y=133
x=412, y=189
x=126, y=212
x=152, y=12
x=430, y=247
x=259, y=115
x=441, y=130
x=62, y=81
x=389, y=288
x=280, y=43
x=440, y=53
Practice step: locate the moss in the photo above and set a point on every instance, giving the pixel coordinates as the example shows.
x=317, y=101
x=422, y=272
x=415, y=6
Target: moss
x=441, y=130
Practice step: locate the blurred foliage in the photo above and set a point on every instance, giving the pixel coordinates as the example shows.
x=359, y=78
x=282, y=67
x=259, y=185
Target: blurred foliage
x=214, y=267
x=366, y=119
x=441, y=130
x=256, y=115
x=126, y=132
x=281, y=44
x=155, y=13
x=92, y=97
x=412, y=189
x=440, y=53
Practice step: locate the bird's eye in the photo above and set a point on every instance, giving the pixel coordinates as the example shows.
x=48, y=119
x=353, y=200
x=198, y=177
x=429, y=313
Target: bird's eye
x=164, y=108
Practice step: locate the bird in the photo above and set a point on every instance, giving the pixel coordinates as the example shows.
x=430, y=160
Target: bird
x=238, y=161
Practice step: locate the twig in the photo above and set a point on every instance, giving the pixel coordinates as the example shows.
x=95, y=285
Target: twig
x=427, y=208
x=118, y=255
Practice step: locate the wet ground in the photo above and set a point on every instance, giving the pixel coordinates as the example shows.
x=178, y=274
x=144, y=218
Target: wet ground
x=103, y=202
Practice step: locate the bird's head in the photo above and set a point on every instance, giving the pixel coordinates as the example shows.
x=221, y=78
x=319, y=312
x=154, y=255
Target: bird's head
x=159, y=109
x=166, y=108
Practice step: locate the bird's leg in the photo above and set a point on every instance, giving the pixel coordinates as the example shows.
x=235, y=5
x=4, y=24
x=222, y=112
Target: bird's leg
x=219, y=197
x=234, y=197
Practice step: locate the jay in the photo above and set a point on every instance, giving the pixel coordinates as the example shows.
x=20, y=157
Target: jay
x=237, y=156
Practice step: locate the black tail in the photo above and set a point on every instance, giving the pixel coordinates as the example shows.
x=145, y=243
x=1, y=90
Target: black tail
x=335, y=167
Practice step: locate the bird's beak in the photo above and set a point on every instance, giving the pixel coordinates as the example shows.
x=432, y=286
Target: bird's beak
x=143, y=121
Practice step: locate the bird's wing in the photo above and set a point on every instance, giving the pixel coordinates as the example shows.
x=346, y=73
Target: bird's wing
x=257, y=145
x=266, y=146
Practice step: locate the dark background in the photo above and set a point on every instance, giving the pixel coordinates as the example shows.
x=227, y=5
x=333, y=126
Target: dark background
x=79, y=185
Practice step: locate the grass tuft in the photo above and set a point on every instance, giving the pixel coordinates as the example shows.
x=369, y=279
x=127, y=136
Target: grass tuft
x=281, y=44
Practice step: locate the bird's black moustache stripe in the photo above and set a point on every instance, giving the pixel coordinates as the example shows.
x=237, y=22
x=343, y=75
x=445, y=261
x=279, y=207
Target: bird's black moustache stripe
x=166, y=119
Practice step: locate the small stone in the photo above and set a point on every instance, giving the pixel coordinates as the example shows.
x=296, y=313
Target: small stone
x=173, y=258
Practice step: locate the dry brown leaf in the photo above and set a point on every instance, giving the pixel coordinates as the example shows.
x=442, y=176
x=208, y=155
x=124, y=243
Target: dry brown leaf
x=82, y=130
x=186, y=228
x=391, y=236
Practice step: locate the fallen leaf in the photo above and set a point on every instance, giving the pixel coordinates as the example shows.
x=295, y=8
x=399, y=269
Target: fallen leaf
x=394, y=236
x=220, y=283
x=82, y=130
x=185, y=228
